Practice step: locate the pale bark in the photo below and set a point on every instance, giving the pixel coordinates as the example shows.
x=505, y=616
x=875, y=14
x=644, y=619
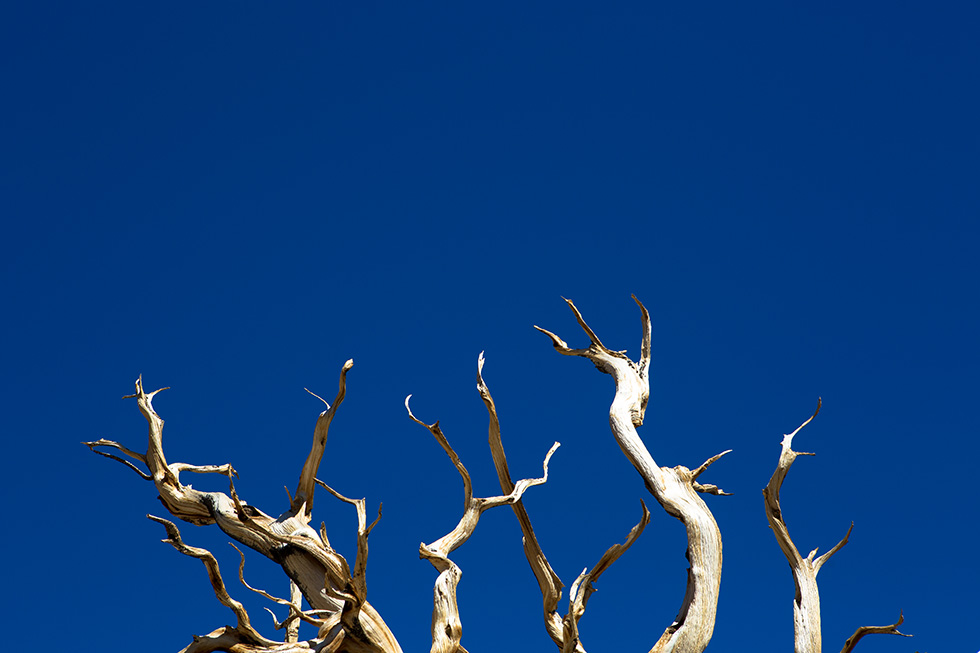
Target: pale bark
x=676, y=489
x=447, y=627
x=806, y=603
x=563, y=630
x=321, y=573
x=337, y=594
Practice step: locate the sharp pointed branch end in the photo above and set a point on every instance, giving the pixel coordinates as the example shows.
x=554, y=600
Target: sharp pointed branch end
x=708, y=463
x=416, y=419
x=325, y=403
x=555, y=340
x=150, y=395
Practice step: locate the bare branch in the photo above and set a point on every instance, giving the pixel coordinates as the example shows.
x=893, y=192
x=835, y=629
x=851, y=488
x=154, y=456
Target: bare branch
x=321, y=573
x=447, y=628
x=305, y=487
x=225, y=469
x=818, y=563
x=585, y=327
x=294, y=604
x=444, y=443
x=873, y=630
x=708, y=463
x=644, y=364
x=109, y=443
x=102, y=442
x=806, y=604
x=359, y=576
x=583, y=588
x=674, y=488
x=292, y=621
x=548, y=581
x=707, y=488
x=232, y=640
x=217, y=583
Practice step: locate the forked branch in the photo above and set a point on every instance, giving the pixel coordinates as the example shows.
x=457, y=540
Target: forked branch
x=320, y=573
x=873, y=630
x=244, y=626
x=548, y=581
x=303, y=497
x=806, y=603
x=447, y=627
x=674, y=488
x=296, y=612
x=359, y=576
x=583, y=587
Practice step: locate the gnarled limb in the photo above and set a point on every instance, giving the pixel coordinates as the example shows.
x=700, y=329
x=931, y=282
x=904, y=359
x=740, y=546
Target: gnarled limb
x=296, y=612
x=563, y=630
x=359, y=577
x=244, y=627
x=674, y=489
x=321, y=574
x=447, y=628
x=806, y=603
x=548, y=581
x=873, y=630
x=583, y=588
x=102, y=442
x=302, y=503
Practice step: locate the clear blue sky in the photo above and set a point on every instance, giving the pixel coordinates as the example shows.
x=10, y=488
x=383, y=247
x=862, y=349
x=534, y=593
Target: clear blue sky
x=234, y=198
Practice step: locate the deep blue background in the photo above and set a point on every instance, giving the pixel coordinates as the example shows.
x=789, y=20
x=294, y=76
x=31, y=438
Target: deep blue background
x=234, y=198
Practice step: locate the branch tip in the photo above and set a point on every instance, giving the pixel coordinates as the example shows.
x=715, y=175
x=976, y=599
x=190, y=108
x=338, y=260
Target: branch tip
x=708, y=463
x=318, y=397
x=891, y=629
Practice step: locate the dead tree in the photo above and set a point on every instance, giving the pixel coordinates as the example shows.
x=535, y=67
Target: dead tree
x=335, y=593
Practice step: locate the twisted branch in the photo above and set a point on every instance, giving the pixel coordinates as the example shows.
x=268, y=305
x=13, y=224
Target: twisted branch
x=674, y=488
x=447, y=627
x=583, y=588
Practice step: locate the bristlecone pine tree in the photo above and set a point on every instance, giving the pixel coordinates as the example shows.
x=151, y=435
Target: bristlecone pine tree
x=336, y=594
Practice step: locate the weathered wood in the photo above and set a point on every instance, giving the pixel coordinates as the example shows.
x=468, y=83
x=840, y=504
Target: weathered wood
x=447, y=627
x=337, y=594
x=675, y=489
x=806, y=602
x=321, y=573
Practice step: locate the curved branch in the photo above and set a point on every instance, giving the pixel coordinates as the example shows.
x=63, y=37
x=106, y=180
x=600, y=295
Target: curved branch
x=321, y=573
x=304, y=489
x=674, y=488
x=102, y=442
x=806, y=603
x=295, y=608
x=444, y=443
x=447, y=627
x=582, y=588
x=359, y=576
x=873, y=630
x=548, y=581
x=217, y=583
